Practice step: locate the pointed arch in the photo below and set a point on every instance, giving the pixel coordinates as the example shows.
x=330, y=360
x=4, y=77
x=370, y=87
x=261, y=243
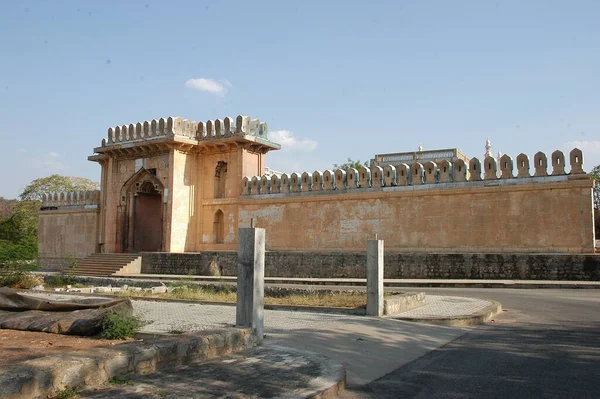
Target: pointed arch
x=141, y=176
x=219, y=227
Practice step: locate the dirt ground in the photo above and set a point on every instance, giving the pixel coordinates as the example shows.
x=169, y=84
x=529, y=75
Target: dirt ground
x=17, y=346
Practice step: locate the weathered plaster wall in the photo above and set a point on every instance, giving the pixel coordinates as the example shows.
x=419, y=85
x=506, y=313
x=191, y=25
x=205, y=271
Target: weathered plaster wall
x=66, y=232
x=526, y=215
x=397, y=265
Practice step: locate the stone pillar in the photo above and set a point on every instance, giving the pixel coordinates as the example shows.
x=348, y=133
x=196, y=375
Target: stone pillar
x=375, y=278
x=250, y=280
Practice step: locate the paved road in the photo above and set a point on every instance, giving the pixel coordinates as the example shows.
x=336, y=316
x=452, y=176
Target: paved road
x=368, y=347
x=547, y=344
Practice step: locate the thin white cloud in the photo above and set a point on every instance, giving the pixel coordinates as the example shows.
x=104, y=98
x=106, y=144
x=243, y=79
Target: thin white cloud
x=590, y=149
x=290, y=143
x=586, y=146
x=209, y=85
x=50, y=162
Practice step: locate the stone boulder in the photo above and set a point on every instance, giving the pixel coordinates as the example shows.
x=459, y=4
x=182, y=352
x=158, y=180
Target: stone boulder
x=77, y=317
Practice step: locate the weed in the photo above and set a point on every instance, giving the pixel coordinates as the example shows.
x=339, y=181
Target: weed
x=121, y=381
x=117, y=325
x=66, y=393
x=17, y=274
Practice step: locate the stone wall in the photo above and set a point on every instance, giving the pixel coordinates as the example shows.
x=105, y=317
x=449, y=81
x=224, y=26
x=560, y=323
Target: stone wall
x=67, y=233
x=397, y=265
x=543, y=214
x=487, y=206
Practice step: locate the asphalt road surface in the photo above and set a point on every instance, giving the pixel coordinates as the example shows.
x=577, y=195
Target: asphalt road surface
x=545, y=345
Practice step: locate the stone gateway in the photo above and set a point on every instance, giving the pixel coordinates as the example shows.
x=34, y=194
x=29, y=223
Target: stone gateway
x=174, y=185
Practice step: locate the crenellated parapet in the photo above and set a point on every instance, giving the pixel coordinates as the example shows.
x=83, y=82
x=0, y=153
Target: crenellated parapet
x=70, y=199
x=428, y=174
x=130, y=141
x=175, y=126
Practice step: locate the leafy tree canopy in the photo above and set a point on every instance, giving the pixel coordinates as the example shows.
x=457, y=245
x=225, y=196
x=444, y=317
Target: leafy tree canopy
x=596, y=173
x=596, y=176
x=351, y=164
x=6, y=208
x=56, y=183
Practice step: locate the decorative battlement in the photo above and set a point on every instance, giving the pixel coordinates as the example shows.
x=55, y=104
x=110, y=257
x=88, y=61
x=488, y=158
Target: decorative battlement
x=52, y=201
x=244, y=126
x=428, y=173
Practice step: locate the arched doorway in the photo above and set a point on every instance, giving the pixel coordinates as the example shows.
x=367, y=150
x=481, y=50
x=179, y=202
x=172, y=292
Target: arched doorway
x=147, y=218
x=219, y=227
x=143, y=217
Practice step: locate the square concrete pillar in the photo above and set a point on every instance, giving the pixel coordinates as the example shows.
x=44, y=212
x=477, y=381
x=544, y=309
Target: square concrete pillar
x=251, y=280
x=375, y=278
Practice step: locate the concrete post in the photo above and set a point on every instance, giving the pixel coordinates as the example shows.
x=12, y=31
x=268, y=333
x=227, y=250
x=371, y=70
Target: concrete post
x=375, y=278
x=250, y=280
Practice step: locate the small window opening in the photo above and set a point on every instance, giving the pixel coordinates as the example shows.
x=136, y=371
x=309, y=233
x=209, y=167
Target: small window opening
x=460, y=168
x=557, y=161
x=444, y=169
x=576, y=159
x=152, y=171
x=540, y=161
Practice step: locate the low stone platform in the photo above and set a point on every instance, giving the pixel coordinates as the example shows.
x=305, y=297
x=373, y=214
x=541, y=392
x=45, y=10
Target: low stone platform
x=452, y=311
x=266, y=372
x=50, y=375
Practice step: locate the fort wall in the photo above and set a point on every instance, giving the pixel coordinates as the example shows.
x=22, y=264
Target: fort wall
x=488, y=210
x=68, y=228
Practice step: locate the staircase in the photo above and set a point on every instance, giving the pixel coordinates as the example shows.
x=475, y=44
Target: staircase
x=104, y=265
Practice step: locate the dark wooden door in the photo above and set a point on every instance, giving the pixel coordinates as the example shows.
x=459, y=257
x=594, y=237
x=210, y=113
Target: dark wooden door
x=147, y=223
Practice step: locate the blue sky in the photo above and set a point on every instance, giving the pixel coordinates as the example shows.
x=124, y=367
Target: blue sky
x=333, y=79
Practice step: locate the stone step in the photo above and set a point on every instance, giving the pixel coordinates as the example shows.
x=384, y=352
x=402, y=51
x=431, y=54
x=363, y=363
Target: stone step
x=104, y=265
x=104, y=262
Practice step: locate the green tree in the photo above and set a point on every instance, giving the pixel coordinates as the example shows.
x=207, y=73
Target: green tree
x=7, y=208
x=56, y=183
x=350, y=163
x=596, y=176
x=19, y=222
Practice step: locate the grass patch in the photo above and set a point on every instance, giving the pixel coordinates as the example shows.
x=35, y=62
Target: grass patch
x=117, y=325
x=66, y=393
x=120, y=381
x=17, y=274
x=226, y=293
x=191, y=293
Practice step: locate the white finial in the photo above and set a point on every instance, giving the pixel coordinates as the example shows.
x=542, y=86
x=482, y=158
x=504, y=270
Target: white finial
x=499, y=155
x=488, y=148
x=420, y=147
